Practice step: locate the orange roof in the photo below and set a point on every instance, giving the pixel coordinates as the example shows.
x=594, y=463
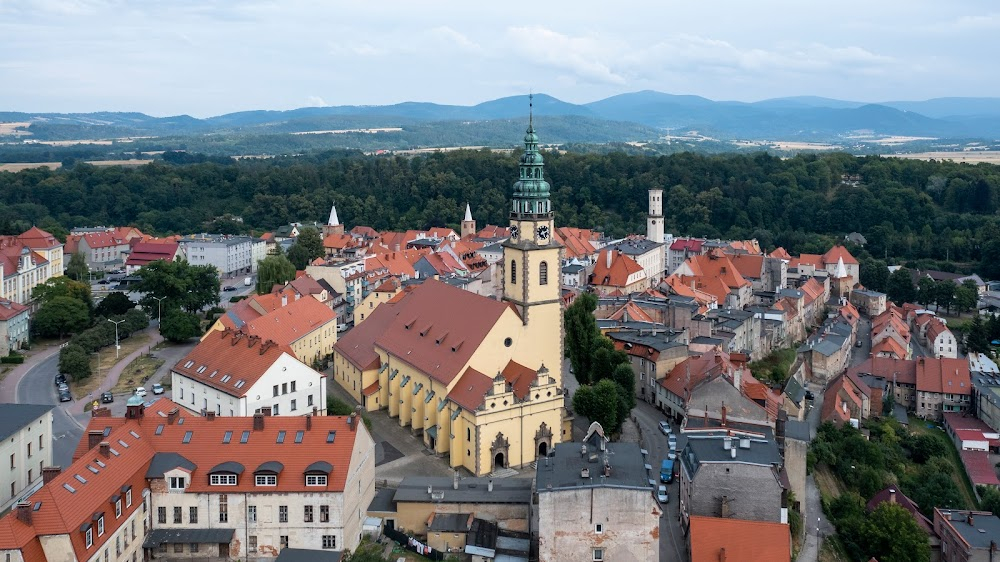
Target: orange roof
x=617, y=274
x=395, y=263
x=780, y=253
x=267, y=236
x=690, y=372
x=371, y=389
x=936, y=328
x=519, y=378
x=390, y=285
x=849, y=313
x=837, y=253
x=630, y=311
x=230, y=362
x=714, y=539
x=10, y=309
x=681, y=288
x=749, y=265
x=470, y=390
x=356, y=344
x=103, y=240
x=577, y=241
x=147, y=252
x=37, y=239
x=890, y=347
x=493, y=231
x=364, y=231
x=445, y=264
x=715, y=265
x=750, y=246
x=814, y=260
x=949, y=376
x=760, y=392
x=290, y=323
x=812, y=289
x=338, y=241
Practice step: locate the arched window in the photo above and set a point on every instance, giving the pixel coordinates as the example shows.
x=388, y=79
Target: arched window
x=513, y=271
x=543, y=273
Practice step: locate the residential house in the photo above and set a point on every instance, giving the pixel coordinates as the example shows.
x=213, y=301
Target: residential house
x=616, y=273
x=891, y=324
x=104, y=250
x=595, y=501
x=674, y=389
x=943, y=385
x=230, y=255
x=144, y=253
x=233, y=373
x=383, y=293
x=26, y=439
x=986, y=389
x=967, y=536
x=765, y=274
x=872, y=303
x=14, y=327
x=581, y=244
x=895, y=496
x=934, y=335
x=574, y=275
x=681, y=249
x=647, y=253
x=828, y=351
x=977, y=443
x=26, y=261
x=714, y=539
x=847, y=399
x=740, y=329
x=652, y=355
x=714, y=273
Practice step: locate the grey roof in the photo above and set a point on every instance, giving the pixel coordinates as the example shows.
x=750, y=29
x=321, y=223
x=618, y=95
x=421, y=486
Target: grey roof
x=705, y=340
x=383, y=502
x=984, y=528
x=270, y=466
x=215, y=239
x=228, y=466
x=635, y=246
x=156, y=537
x=629, y=324
x=794, y=390
x=304, y=555
x=470, y=490
x=573, y=268
x=899, y=412
x=15, y=416
x=451, y=522
x=868, y=293
x=320, y=466
x=163, y=462
x=660, y=340
x=798, y=430
x=710, y=449
x=563, y=469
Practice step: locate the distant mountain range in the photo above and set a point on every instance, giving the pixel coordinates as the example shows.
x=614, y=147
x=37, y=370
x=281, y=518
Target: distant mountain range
x=644, y=115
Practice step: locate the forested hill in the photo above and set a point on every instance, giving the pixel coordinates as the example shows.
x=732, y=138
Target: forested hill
x=906, y=208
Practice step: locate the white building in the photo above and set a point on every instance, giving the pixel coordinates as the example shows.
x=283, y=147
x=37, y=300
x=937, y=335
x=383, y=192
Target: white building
x=231, y=255
x=25, y=439
x=233, y=374
x=648, y=254
x=258, y=251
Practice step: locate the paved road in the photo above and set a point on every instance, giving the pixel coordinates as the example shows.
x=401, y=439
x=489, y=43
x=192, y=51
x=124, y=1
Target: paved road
x=38, y=387
x=673, y=545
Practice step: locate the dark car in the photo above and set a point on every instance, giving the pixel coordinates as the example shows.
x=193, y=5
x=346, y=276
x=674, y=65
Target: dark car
x=810, y=395
x=60, y=379
x=229, y=288
x=104, y=282
x=107, y=397
x=65, y=396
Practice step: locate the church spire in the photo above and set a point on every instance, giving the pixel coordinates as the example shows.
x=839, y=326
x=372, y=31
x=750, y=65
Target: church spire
x=531, y=191
x=334, y=221
x=468, y=212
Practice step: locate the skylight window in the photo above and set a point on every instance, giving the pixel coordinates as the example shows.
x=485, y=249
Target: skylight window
x=92, y=469
x=100, y=463
x=134, y=434
x=331, y=436
x=298, y=436
x=281, y=437
x=187, y=437
x=115, y=453
x=201, y=369
x=227, y=437
x=188, y=364
x=215, y=372
x=240, y=383
x=159, y=429
x=80, y=479
x=69, y=488
x=245, y=437
x=226, y=378
x=107, y=431
x=123, y=444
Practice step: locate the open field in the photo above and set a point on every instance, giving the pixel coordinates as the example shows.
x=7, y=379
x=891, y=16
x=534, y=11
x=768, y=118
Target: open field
x=783, y=145
x=15, y=129
x=969, y=156
x=18, y=166
x=136, y=374
x=345, y=131
x=829, y=486
x=118, y=162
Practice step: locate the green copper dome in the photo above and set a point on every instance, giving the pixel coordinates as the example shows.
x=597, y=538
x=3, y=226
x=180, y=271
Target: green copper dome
x=134, y=400
x=531, y=191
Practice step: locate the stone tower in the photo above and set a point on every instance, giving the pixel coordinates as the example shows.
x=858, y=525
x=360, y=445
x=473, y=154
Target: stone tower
x=654, y=221
x=333, y=225
x=468, y=223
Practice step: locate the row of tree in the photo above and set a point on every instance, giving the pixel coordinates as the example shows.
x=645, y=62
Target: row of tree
x=900, y=288
x=907, y=209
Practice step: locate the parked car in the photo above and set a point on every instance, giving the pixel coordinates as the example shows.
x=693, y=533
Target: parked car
x=140, y=391
x=859, y=344
x=810, y=395
x=157, y=388
x=672, y=441
x=60, y=379
x=228, y=288
x=672, y=455
x=665, y=428
x=65, y=396
x=62, y=387
x=104, y=282
x=661, y=494
x=341, y=327
x=107, y=398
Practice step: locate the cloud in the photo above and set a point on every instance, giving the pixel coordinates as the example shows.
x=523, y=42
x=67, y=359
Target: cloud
x=316, y=101
x=455, y=38
x=579, y=56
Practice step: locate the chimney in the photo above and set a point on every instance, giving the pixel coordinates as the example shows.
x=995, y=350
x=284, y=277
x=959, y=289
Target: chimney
x=258, y=421
x=722, y=554
x=315, y=411
x=352, y=421
x=309, y=422
x=454, y=483
x=284, y=301
x=105, y=449
x=489, y=485
x=210, y=415
x=93, y=438
x=172, y=416
x=24, y=512
x=723, y=414
x=971, y=520
x=607, y=259
x=585, y=473
x=265, y=411
x=732, y=452
x=727, y=443
x=50, y=472
x=607, y=470
x=892, y=495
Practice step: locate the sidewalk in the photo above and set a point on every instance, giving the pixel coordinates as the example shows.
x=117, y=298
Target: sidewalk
x=111, y=378
x=8, y=387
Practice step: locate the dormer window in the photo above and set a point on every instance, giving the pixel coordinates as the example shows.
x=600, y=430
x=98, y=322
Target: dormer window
x=177, y=482
x=316, y=480
x=266, y=480
x=100, y=524
x=222, y=479
x=90, y=536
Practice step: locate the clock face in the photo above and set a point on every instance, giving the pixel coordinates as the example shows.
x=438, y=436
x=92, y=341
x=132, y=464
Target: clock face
x=513, y=231
x=543, y=232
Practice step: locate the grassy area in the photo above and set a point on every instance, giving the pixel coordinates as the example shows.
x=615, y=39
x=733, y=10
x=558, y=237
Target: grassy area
x=101, y=363
x=137, y=373
x=829, y=485
x=774, y=367
x=830, y=551
x=919, y=427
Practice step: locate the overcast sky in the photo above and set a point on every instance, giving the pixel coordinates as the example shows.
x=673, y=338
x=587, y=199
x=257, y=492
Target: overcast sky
x=205, y=57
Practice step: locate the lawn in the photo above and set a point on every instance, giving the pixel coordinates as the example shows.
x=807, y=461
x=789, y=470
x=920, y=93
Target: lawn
x=137, y=373
x=103, y=361
x=919, y=427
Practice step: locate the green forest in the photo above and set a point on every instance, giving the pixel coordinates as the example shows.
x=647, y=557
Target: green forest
x=907, y=209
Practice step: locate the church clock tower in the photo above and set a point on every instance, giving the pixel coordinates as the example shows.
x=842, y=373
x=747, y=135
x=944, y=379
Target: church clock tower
x=532, y=264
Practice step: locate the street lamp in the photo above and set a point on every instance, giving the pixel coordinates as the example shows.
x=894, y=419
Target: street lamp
x=117, y=347
x=159, y=302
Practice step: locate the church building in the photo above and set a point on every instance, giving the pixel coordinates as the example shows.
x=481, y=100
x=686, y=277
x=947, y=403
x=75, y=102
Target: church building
x=477, y=379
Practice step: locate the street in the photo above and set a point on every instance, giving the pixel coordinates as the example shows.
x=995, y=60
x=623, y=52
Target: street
x=38, y=387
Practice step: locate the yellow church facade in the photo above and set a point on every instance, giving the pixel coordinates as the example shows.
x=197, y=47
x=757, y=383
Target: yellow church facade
x=478, y=380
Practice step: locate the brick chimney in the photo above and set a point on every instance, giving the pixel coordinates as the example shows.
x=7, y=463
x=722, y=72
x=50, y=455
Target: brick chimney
x=892, y=495
x=265, y=410
x=723, y=414
x=258, y=421
x=210, y=415
x=24, y=512
x=351, y=419
x=105, y=449
x=172, y=416
x=50, y=472
x=309, y=422
x=94, y=437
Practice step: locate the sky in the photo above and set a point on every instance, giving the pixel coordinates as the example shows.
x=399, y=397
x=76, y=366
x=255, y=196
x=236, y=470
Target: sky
x=207, y=57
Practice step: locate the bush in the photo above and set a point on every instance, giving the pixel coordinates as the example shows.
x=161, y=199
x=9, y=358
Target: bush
x=12, y=359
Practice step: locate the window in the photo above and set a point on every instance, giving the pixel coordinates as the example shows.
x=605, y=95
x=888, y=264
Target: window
x=177, y=515
x=284, y=388
x=193, y=514
x=284, y=541
x=177, y=482
x=133, y=529
x=41, y=443
x=281, y=437
x=468, y=434
x=222, y=479
x=513, y=271
x=252, y=513
x=118, y=509
x=223, y=508
x=12, y=462
x=128, y=497
x=599, y=528
x=543, y=273
x=330, y=542
x=193, y=547
x=309, y=400
x=29, y=450
x=90, y=537
x=299, y=435
x=267, y=480
x=331, y=436
x=324, y=514
x=293, y=407
x=252, y=540
x=275, y=389
x=245, y=436
x=308, y=514
x=100, y=525
x=118, y=546
x=316, y=480
x=598, y=554
x=274, y=410
x=282, y=514
x=293, y=386
x=178, y=547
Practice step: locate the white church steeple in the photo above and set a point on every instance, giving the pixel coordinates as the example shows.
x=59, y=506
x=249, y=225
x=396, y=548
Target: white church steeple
x=333, y=225
x=468, y=223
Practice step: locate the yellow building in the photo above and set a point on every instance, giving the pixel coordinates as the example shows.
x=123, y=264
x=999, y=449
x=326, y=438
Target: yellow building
x=479, y=379
x=385, y=291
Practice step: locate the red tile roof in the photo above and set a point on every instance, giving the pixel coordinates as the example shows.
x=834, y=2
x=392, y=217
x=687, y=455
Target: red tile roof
x=615, y=275
x=236, y=357
x=839, y=252
x=780, y=253
x=493, y=231
x=949, y=376
x=103, y=240
x=470, y=390
x=690, y=372
x=371, y=389
x=687, y=244
x=146, y=252
x=292, y=322
x=714, y=539
x=37, y=239
x=630, y=311
x=980, y=469
x=890, y=347
x=894, y=495
x=339, y=241
x=519, y=378
x=905, y=371
x=357, y=344
x=749, y=266
x=9, y=309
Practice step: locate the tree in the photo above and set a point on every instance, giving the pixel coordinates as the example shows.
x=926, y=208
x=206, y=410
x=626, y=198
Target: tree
x=976, y=338
x=60, y=316
x=273, y=270
x=990, y=499
x=899, y=287
x=179, y=285
x=179, y=326
x=77, y=269
x=874, y=274
x=599, y=403
x=926, y=291
x=891, y=534
x=308, y=246
x=581, y=335
x=115, y=304
x=74, y=362
x=63, y=286
x=367, y=551
x=944, y=294
x=966, y=296
x=924, y=447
